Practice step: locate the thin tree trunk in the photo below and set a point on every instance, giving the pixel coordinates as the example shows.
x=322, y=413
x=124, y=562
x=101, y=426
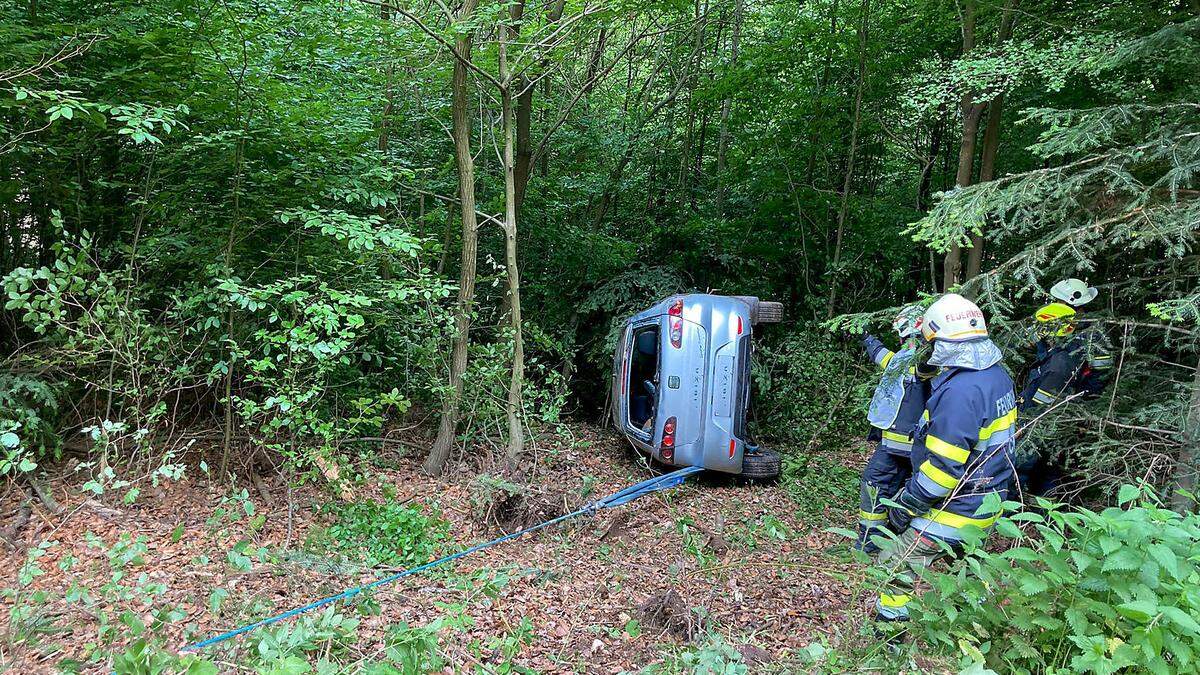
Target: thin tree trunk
x=447, y=231
x=227, y=436
x=435, y=464
x=970, y=110
x=524, y=109
x=516, y=434
x=925, y=184
x=727, y=104
x=385, y=264
x=925, y=187
x=848, y=180
x=1188, y=461
x=991, y=143
x=987, y=171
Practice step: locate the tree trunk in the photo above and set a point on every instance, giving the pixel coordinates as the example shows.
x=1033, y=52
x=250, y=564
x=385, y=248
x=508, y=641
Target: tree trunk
x=987, y=171
x=991, y=143
x=516, y=434
x=524, y=110
x=970, y=110
x=1188, y=461
x=727, y=103
x=461, y=131
x=925, y=184
x=822, y=82
x=849, y=177
x=227, y=435
x=385, y=263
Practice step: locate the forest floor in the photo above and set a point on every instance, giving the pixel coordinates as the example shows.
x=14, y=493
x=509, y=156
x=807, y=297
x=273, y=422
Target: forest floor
x=752, y=563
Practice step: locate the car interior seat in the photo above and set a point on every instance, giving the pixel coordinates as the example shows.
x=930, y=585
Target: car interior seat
x=647, y=343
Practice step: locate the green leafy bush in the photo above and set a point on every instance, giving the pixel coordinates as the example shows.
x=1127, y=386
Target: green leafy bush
x=398, y=535
x=1085, y=591
x=28, y=407
x=817, y=483
x=711, y=655
x=808, y=391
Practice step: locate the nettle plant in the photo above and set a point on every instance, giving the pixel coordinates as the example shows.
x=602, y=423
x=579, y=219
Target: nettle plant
x=1077, y=591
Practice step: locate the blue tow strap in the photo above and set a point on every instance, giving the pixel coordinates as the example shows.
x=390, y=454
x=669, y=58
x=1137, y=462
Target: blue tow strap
x=663, y=482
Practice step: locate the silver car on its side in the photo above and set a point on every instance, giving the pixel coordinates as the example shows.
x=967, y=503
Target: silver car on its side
x=681, y=382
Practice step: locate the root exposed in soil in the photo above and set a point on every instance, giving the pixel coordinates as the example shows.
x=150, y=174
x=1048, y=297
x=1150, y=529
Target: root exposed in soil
x=511, y=505
x=669, y=613
x=522, y=510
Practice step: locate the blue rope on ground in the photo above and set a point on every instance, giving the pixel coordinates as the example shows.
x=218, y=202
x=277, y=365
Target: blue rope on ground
x=663, y=482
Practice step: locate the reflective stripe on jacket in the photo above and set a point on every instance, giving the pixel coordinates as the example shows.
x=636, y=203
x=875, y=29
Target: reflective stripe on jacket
x=1052, y=374
x=963, y=452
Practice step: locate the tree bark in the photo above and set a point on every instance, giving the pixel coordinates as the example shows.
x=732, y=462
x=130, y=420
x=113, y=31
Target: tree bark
x=970, y=111
x=435, y=463
x=991, y=144
x=925, y=187
x=524, y=110
x=987, y=171
x=516, y=434
x=843, y=207
x=822, y=82
x=1188, y=461
x=385, y=15
x=727, y=103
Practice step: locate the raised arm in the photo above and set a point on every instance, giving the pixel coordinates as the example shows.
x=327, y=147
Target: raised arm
x=876, y=351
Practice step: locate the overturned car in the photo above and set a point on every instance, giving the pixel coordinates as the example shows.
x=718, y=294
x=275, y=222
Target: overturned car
x=681, y=382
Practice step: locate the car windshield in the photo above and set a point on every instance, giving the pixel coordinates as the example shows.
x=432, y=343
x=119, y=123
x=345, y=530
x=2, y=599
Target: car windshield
x=643, y=379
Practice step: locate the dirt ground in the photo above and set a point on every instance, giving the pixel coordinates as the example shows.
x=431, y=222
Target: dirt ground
x=703, y=557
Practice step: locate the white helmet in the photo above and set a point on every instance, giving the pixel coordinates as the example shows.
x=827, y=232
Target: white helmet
x=908, y=322
x=953, y=318
x=1074, y=292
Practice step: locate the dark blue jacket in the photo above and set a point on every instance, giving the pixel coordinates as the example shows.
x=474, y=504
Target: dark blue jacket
x=962, y=449
x=1078, y=364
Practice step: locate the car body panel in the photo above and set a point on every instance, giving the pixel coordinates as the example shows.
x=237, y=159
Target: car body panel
x=704, y=383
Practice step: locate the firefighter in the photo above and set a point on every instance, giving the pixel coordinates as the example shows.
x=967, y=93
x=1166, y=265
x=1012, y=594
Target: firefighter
x=896, y=407
x=961, y=451
x=1089, y=341
x=1073, y=357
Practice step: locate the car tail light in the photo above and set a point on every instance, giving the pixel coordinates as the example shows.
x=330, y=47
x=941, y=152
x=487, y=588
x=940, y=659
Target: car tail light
x=668, y=440
x=732, y=447
x=676, y=314
x=739, y=325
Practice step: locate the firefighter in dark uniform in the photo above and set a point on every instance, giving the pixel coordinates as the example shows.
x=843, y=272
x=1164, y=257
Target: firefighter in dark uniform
x=896, y=408
x=1073, y=357
x=962, y=451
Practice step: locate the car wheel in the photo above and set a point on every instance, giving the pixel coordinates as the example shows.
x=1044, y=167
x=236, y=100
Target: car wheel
x=767, y=312
x=762, y=311
x=761, y=464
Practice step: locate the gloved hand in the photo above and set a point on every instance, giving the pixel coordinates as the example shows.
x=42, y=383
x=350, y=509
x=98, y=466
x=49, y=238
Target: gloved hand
x=909, y=507
x=926, y=371
x=866, y=340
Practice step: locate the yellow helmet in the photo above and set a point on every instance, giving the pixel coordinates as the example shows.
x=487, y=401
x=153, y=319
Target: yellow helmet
x=1057, y=319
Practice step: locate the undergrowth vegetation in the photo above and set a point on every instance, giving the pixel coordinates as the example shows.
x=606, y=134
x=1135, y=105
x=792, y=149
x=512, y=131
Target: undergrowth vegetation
x=1074, y=589
x=261, y=246
x=382, y=534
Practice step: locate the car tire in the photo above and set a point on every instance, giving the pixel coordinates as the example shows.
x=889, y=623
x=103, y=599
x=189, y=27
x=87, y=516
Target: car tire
x=762, y=311
x=761, y=464
x=767, y=312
